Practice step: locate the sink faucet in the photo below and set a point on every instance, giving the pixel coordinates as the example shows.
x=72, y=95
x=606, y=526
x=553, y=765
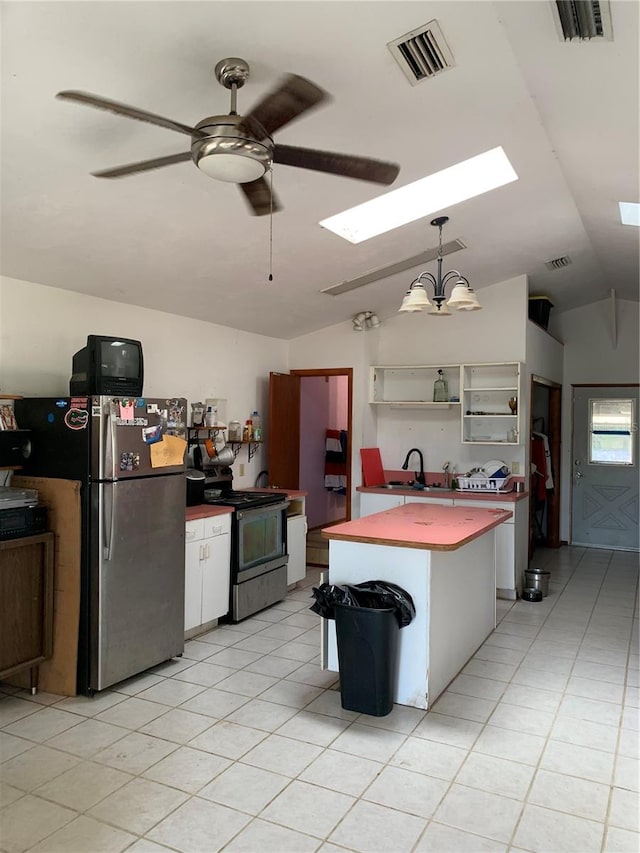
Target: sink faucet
x=420, y=473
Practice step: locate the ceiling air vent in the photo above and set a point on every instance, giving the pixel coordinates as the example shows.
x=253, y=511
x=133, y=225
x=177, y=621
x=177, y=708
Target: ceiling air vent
x=558, y=263
x=583, y=19
x=392, y=269
x=422, y=53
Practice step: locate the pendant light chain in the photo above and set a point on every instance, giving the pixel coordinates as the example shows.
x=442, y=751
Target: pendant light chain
x=271, y=227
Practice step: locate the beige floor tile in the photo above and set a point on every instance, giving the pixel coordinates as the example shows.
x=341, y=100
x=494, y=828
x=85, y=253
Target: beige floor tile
x=132, y=713
x=339, y=771
x=313, y=728
x=429, y=757
x=11, y=745
x=9, y=794
x=295, y=651
x=228, y=739
x=199, y=825
x=446, y=839
x=204, y=674
x=585, y=733
x=268, y=838
x=35, y=767
x=89, y=706
x=85, y=834
x=370, y=827
x=83, y=785
x=135, y=752
x=187, y=769
x=485, y=814
x=245, y=788
x=282, y=755
x=445, y=729
x=171, y=691
x=215, y=703
x=259, y=714
x=234, y=657
x=465, y=707
x=407, y=791
x=621, y=841
x=30, y=819
x=247, y=683
x=369, y=742
x=581, y=761
x=310, y=673
x=291, y=693
x=138, y=806
x=272, y=665
x=177, y=725
x=307, y=808
x=569, y=794
x=482, y=688
x=138, y=683
x=545, y=830
x=624, y=811
x=496, y=775
x=88, y=737
x=13, y=708
x=45, y=723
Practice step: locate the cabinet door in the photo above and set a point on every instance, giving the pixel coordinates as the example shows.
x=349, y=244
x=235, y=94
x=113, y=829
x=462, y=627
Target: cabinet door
x=505, y=542
x=216, y=572
x=193, y=584
x=370, y=502
x=297, y=547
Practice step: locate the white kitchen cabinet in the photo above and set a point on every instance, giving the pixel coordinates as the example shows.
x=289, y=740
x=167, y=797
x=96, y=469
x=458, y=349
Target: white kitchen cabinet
x=511, y=544
x=207, y=572
x=412, y=386
x=372, y=502
x=428, y=498
x=487, y=414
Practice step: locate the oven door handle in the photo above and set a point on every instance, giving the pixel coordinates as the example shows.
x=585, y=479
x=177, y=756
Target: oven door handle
x=243, y=513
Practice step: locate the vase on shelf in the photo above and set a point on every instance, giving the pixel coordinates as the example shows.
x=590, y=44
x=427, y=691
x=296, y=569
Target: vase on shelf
x=513, y=405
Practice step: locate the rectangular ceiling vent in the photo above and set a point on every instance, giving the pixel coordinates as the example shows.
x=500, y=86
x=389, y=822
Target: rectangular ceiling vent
x=422, y=53
x=558, y=263
x=583, y=19
x=392, y=269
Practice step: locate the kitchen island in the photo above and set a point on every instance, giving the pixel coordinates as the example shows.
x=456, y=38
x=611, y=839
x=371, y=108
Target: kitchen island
x=444, y=557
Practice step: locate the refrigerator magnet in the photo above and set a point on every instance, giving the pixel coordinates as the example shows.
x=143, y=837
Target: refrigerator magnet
x=126, y=410
x=129, y=461
x=152, y=434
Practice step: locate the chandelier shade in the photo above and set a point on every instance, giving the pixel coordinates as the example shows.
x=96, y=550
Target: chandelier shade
x=462, y=296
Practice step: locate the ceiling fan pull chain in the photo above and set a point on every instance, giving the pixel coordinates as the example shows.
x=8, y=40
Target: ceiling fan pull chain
x=271, y=227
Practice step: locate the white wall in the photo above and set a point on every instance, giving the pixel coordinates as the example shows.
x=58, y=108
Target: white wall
x=591, y=356
x=42, y=327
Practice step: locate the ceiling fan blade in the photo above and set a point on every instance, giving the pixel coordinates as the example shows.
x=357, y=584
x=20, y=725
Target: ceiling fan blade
x=258, y=194
x=294, y=96
x=124, y=110
x=347, y=165
x=142, y=166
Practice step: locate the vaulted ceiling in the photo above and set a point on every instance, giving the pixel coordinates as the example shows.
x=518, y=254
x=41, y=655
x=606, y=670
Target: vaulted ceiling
x=565, y=113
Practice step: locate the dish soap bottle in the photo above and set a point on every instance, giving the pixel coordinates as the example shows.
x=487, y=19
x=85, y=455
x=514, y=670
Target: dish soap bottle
x=441, y=389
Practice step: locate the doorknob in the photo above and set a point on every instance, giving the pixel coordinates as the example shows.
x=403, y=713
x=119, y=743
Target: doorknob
x=579, y=475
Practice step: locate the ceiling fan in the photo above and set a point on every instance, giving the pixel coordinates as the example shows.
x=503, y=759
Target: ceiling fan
x=240, y=149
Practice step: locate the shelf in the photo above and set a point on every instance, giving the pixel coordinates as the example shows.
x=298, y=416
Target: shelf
x=487, y=415
x=493, y=388
x=252, y=447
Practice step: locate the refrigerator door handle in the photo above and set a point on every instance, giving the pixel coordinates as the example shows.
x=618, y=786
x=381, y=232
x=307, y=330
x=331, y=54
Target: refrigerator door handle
x=112, y=521
x=111, y=445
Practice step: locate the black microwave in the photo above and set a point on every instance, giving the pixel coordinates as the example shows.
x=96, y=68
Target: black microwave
x=112, y=366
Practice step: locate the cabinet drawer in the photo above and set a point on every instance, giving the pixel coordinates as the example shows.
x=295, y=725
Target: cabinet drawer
x=217, y=525
x=194, y=530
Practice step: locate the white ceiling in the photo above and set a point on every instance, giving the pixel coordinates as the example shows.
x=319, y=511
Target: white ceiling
x=173, y=239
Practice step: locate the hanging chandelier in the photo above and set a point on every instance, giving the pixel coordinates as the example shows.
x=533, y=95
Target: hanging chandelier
x=462, y=295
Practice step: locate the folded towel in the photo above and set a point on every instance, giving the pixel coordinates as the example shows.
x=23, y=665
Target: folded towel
x=335, y=462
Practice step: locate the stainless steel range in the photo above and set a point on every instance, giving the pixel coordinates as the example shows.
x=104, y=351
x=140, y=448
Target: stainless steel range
x=258, y=549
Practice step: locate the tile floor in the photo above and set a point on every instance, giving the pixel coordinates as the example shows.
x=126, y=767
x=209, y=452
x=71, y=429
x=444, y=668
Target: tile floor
x=242, y=744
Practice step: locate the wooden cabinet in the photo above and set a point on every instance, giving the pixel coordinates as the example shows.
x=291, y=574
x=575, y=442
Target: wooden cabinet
x=490, y=397
x=207, y=572
x=412, y=386
x=26, y=604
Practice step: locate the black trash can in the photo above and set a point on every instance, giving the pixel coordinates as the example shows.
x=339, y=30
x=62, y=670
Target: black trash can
x=368, y=617
x=367, y=655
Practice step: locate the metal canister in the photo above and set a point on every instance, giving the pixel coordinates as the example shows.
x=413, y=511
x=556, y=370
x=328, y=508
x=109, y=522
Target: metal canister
x=538, y=579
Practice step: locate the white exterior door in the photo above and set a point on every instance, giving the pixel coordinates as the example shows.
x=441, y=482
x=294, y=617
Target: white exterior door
x=604, y=502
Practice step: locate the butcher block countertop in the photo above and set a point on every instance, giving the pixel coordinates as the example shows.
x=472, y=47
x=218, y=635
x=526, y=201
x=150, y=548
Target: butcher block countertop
x=423, y=526
x=205, y=511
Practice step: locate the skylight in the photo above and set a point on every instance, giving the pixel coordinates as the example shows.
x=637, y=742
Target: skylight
x=629, y=213
x=424, y=197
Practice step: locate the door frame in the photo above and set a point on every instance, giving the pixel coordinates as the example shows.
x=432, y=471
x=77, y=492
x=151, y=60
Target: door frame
x=348, y=372
x=554, y=433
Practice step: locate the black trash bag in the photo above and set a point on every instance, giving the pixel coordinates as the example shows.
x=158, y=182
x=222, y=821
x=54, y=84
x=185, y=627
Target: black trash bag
x=377, y=595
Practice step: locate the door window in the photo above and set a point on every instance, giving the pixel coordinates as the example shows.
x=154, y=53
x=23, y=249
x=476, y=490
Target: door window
x=611, y=427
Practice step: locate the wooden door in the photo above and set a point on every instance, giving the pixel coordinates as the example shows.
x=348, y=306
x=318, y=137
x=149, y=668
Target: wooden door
x=283, y=445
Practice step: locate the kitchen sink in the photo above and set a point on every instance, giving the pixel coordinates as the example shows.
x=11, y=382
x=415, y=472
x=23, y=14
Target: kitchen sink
x=407, y=488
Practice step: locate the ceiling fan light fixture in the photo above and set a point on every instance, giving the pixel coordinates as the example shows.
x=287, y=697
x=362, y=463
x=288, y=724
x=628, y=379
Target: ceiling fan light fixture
x=234, y=168
x=460, y=295
x=472, y=304
x=408, y=306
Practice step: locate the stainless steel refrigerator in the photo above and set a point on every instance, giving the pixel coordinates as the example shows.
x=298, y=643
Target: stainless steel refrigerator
x=133, y=524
